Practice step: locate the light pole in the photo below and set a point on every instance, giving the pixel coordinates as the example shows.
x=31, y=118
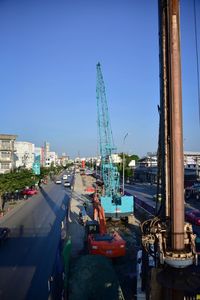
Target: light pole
x=123, y=163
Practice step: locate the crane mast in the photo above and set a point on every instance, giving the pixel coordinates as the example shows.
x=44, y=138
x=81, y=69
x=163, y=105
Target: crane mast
x=114, y=204
x=109, y=171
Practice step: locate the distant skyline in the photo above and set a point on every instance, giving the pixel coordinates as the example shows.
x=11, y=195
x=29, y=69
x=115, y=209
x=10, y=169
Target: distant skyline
x=48, y=56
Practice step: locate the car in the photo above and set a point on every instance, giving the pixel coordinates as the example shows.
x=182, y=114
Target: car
x=58, y=181
x=65, y=177
x=29, y=191
x=4, y=233
x=67, y=184
x=193, y=216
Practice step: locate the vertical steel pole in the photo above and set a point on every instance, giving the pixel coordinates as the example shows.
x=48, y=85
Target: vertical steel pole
x=164, y=106
x=123, y=174
x=123, y=171
x=176, y=136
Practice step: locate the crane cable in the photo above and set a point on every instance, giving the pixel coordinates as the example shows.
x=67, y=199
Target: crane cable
x=197, y=56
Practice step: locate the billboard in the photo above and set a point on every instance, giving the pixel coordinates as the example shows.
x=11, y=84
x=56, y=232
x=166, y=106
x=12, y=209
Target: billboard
x=36, y=165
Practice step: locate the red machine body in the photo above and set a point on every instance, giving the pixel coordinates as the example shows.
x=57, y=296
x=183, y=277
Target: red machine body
x=103, y=243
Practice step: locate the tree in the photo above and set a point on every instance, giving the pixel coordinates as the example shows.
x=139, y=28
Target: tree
x=128, y=159
x=16, y=180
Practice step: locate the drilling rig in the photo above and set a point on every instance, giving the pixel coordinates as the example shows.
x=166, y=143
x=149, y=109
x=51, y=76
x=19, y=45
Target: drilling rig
x=115, y=205
x=167, y=237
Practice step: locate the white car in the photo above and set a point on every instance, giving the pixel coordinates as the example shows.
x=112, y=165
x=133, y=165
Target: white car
x=67, y=184
x=64, y=177
x=58, y=181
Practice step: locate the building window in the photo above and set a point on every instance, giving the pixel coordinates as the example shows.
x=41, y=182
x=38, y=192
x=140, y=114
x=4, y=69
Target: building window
x=5, y=166
x=5, y=154
x=5, y=145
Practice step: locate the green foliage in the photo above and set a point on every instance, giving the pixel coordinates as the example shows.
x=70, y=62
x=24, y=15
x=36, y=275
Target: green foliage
x=19, y=179
x=16, y=180
x=127, y=160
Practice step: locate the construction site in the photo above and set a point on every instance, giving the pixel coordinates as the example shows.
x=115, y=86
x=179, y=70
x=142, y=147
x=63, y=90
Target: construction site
x=87, y=231
x=118, y=249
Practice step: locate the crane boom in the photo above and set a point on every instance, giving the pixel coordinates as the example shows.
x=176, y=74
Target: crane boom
x=113, y=203
x=109, y=171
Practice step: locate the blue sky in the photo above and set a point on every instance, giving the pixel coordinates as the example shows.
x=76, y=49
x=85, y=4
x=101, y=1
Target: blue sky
x=48, y=55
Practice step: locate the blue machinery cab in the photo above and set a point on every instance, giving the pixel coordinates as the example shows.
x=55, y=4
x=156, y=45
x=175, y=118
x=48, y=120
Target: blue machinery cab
x=124, y=207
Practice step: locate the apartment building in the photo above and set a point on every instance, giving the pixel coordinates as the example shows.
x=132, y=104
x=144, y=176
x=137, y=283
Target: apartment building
x=7, y=162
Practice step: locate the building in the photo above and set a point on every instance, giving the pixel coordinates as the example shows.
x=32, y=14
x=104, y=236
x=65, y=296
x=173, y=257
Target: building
x=46, y=152
x=148, y=161
x=191, y=159
x=146, y=169
x=116, y=159
x=24, y=154
x=7, y=162
x=51, y=159
x=64, y=160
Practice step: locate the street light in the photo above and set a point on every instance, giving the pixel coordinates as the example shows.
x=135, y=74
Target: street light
x=123, y=163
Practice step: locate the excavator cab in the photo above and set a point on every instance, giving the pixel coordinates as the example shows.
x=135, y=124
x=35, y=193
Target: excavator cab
x=92, y=227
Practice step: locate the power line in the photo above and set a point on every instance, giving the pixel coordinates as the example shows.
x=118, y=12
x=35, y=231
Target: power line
x=197, y=56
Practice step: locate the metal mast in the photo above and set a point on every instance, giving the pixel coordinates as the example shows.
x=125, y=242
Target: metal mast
x=110, y=174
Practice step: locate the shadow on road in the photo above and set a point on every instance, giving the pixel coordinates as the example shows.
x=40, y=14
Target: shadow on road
x=27, y=258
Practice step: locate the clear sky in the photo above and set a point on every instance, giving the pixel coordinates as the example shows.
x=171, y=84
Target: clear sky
x=48, y=55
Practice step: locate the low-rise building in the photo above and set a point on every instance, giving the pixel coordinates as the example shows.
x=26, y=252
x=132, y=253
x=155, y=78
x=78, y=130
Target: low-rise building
x=7, y=162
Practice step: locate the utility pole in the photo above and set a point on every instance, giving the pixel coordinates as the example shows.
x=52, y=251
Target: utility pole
x=123, y=164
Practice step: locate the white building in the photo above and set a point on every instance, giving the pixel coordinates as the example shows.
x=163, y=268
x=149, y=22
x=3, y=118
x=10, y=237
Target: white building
x=46, y=152
x=192, y=159
x=51, y=159
x=116, y=158
x=24, y=154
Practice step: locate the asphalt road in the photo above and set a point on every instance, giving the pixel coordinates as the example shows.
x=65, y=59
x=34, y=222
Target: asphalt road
x=28, y=256
x=143, y=191
x=146, y=191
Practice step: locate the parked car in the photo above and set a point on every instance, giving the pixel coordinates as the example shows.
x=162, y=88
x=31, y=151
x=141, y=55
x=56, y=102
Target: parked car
x=4, y=233
x=193, y=216
x=65, y=176
x=29, y=191
x=67, y=184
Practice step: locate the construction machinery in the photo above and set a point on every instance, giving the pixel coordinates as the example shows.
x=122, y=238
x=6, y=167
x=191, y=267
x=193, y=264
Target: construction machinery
x=99, y=240
x=114, y=204
x=167, y=238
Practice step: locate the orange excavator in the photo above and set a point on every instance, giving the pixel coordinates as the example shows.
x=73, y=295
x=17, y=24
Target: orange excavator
x=99, y=240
